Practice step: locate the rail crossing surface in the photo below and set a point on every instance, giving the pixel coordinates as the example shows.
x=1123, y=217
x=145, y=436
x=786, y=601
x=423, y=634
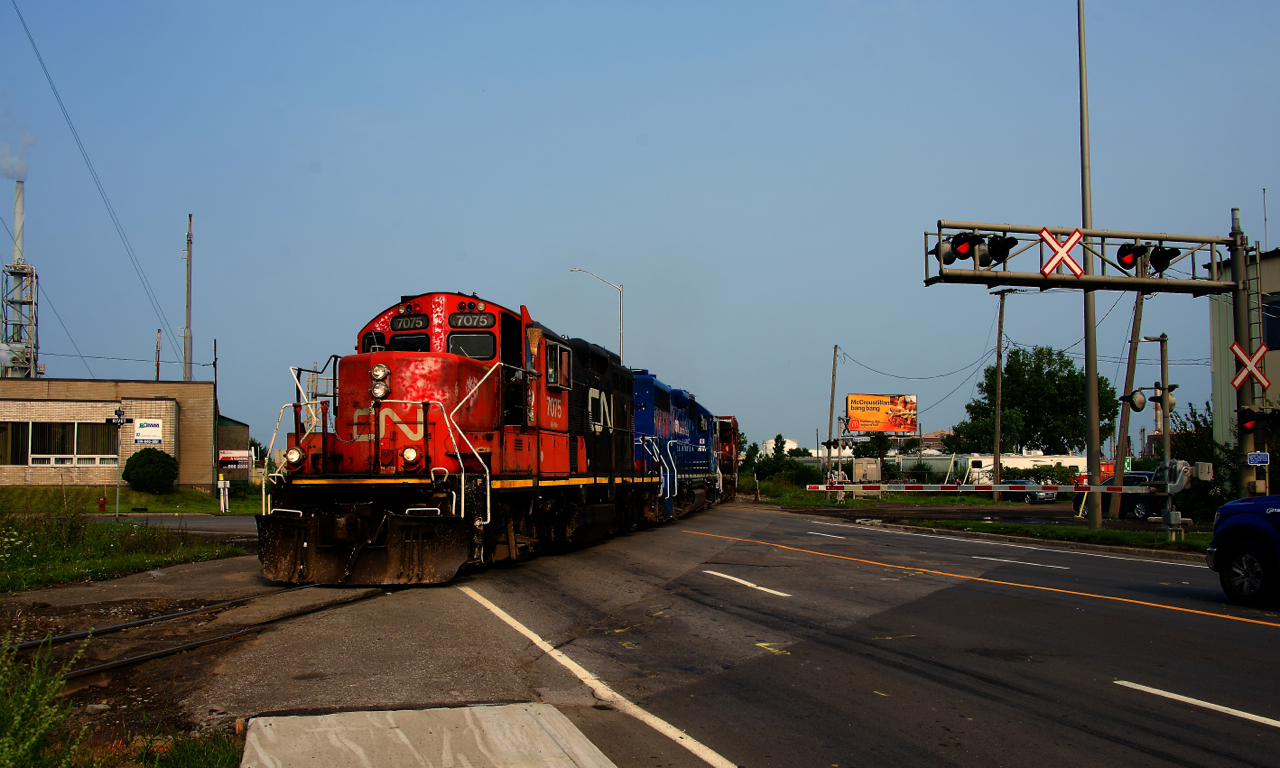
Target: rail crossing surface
x=510, y=736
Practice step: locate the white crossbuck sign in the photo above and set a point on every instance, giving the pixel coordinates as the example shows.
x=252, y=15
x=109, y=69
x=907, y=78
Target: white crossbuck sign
x=1250, y=366
x=1061, y=255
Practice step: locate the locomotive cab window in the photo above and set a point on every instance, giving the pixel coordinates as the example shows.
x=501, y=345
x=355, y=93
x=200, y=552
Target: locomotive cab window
x=559, y=367
x=411, y=342
x=477, y=346
x=702, y=424
x=373, y=341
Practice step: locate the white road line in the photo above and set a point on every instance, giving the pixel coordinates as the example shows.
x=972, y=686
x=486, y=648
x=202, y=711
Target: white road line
x=746, y=583
x=1199, y=703
x=873, y=529
x=604, y=692
x=1019, y=562
x=828, y=535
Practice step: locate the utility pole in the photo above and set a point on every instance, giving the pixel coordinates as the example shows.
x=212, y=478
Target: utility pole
x=1122, y=451
x=157, y=354
x=1166, y=408
x=831, y=410
x=1093, y=436
x=1240, y=314
x=995, y=454
x=186, y=332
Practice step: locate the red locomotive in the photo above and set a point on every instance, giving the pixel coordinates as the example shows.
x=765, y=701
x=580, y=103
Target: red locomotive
x=462, y=432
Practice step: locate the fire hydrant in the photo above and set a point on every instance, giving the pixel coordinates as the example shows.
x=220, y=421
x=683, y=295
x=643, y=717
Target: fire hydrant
x=102, y=505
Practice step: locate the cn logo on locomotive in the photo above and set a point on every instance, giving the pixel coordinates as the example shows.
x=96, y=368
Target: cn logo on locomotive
x=600, y=410
x=414, y=429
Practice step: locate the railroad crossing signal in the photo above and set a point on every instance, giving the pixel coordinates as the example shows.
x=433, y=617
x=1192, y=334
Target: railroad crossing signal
x=1129, y=255
x=1250, y=363
x=1061, y=255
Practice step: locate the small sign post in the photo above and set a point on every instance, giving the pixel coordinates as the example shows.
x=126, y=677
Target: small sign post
x=1128, y=463
x=118, y=421
x=1259, y=459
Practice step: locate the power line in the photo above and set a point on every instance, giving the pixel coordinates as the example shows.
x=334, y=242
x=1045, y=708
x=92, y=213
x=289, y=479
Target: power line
x=958, y=386
x=55, y=309
x=137, y=266
x=128, y=359
x=845, y=355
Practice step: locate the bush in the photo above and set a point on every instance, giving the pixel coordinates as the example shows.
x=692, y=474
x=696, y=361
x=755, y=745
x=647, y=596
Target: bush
x=32, y=711
x=151, y=470
x=1057, y=474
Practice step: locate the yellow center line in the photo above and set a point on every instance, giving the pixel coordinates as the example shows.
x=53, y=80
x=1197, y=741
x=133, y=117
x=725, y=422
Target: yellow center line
x=994, y=581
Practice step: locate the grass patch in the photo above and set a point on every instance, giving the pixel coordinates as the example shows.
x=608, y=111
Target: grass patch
x=41, y=550
x=84, y=498
x=777, y=491
x=1195, y=542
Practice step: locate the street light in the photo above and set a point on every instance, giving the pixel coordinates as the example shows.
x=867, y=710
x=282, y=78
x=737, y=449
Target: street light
x=619, y=287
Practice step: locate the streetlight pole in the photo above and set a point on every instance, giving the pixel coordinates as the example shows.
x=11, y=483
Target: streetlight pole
x=621, y=358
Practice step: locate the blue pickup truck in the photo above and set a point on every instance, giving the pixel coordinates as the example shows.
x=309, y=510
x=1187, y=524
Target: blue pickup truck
x=1245, y=550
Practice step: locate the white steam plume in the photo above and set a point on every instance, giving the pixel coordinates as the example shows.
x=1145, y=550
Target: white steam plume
x=13, y=165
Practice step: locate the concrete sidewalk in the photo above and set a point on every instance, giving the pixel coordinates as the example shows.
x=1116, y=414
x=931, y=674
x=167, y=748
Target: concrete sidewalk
x=508, y=736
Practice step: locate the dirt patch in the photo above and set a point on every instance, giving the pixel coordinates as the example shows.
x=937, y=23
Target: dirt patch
x=139, y=700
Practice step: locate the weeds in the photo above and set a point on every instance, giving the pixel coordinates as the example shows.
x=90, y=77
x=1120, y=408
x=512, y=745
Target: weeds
x=60, y=548
x=32, y=711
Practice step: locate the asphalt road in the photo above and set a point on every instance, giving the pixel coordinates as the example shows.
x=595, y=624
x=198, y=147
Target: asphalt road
x=864, y=647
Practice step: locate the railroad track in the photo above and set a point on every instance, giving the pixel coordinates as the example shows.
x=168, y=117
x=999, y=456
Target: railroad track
x=171, y=650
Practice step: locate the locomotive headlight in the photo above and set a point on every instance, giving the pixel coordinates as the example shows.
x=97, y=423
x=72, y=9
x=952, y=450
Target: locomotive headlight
x=410, y=454
x=294, y=455
x=380, y=372
x=380, y=389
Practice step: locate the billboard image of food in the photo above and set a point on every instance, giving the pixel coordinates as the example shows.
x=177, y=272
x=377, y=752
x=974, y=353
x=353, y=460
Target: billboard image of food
x=881, y=413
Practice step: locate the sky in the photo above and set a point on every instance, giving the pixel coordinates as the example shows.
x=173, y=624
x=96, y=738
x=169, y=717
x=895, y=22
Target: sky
x=758, y=176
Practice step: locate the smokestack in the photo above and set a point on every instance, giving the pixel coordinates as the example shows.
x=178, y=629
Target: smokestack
x=18, y=215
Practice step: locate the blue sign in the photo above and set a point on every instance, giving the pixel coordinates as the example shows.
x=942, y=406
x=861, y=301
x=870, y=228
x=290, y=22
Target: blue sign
x=1259, y=459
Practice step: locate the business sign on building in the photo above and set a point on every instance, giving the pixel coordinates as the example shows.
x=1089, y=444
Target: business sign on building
x=881, y=413
x=148, y=431
x=233, y=460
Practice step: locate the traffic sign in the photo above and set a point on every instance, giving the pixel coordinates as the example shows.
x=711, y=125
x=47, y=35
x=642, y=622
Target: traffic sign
x=118, y=421
x=1250, y=363
x=1259, y=459
x=1128, y=463
x=859, y=439
x=1061, y=255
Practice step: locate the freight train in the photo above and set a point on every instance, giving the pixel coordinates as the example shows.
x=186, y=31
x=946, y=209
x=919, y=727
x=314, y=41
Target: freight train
x=462, y=433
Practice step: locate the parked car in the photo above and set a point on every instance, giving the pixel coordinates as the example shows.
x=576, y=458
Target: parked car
x=1031, y=497
x=1136, y=505
x=1245, y=550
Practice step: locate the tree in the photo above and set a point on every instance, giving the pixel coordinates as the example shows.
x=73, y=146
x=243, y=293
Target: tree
x=151, y=470
x=1191, y=439
x=798, y=452
x=1043, y=406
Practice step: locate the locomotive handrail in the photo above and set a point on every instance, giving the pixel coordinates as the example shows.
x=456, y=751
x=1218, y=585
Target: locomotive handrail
x=310, y=405
x=270, y=446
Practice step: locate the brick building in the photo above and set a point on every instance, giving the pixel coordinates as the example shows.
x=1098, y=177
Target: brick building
x=55, y=431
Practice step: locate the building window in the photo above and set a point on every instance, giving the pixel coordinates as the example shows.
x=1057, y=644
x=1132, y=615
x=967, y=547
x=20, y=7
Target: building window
x=96, y=439
x=1271, y=320
x=53, y=438
x=13, y=442
x=59, y=443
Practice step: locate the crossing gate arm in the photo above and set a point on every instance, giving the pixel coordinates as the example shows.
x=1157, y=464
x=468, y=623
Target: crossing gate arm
x=984, y=488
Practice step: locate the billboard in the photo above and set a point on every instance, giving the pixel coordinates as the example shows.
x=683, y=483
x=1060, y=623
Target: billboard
x=148, y=431
x=881, y=413
x=233, y=460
